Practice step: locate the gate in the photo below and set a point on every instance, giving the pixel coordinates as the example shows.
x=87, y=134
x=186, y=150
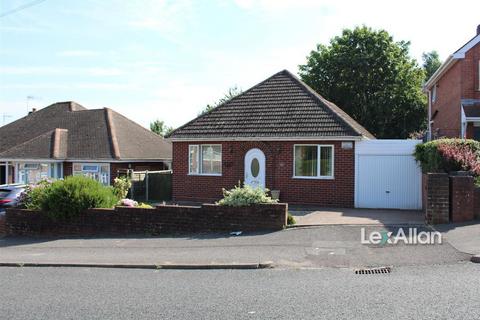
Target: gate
x=151, y=186
x=387, y=175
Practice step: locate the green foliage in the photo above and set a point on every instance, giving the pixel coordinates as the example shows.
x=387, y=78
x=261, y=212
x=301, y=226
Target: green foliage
x=372, y=78
x=291, y=219
x=245, y=196
x=34, y=195
x=432, y=160
x=67, y=198
x=431, y=62
x=231, y=93
x=160, y=128
x=121, y=186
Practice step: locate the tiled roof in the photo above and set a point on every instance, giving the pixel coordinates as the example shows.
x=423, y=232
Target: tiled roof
x=66, y=130
x=280, y=106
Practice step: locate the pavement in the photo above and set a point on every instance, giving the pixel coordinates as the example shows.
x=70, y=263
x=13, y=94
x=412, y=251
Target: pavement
x=413, y=292
x=343, y=216
x=465, y=237
x=311, y=247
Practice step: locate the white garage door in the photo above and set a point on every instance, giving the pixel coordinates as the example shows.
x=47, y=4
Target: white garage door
x=387, y=175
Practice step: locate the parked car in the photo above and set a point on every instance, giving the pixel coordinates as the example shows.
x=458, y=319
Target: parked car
x=9, y=196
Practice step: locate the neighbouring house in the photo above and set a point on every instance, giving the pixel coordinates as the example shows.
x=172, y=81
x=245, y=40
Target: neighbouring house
x=280, y=134
x=454, y=94
x=67, y=139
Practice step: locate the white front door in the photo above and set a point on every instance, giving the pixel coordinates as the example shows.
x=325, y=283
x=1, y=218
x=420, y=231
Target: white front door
x=255, y=168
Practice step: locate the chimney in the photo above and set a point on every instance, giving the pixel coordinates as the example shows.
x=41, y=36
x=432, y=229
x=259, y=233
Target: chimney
x=478, y=29
x=33, y=110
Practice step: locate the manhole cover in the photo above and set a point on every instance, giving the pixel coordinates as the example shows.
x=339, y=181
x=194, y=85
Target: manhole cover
x=379, y=270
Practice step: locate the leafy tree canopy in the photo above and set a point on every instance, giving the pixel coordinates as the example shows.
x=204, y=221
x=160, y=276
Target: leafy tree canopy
x=231, y=93
x=431, y=62
x=372, y=78
x=159, y=127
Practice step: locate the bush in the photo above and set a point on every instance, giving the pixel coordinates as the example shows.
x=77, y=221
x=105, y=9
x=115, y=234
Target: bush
x=34, y=195
x=67, y=198
x=121, y=186
x=245, y=196
x=447, y=155
x=291, y=219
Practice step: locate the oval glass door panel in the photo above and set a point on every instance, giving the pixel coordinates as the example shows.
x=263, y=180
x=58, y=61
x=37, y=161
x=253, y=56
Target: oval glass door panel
x=255, y=167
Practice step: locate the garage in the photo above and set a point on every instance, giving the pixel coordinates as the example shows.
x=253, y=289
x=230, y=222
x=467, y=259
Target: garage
x=387, y=175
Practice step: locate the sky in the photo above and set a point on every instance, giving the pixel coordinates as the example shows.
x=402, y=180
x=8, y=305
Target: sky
x=159, y=59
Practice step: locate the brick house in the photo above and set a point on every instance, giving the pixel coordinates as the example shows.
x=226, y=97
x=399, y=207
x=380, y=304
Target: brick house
x=454, y=94
x=67, y=139
x=280, y=134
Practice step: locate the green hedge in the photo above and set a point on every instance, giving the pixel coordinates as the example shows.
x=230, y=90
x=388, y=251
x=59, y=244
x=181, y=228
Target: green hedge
x=431, y=160
x=67, y=198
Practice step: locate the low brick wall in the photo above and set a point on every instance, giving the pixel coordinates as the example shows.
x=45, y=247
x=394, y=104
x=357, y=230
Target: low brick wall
x=436, y=198
x=3, y=228
x=461, y=198
x=476, y=203
x=161, y=220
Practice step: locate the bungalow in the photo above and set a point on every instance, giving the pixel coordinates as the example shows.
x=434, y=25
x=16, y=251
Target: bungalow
x=279, y=134
x=67, y=139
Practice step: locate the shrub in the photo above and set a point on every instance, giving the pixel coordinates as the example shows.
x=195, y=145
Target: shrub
x=121, y=186
x=34, y=195
x=144, y=206
x=291, y=219
x=128, y=203
x=245, y=196
x=67, y=198
x=446, y=155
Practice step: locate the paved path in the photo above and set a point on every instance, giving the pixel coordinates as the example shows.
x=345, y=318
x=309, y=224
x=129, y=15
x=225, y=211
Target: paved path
x=326, y=246
x=463, y=236
x=427, y=292
x=342, y=216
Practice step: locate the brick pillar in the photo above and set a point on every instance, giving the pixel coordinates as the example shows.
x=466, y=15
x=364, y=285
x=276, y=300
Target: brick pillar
x=437, y=203
x=461, y=198
x=3, y=227
x=476, y=201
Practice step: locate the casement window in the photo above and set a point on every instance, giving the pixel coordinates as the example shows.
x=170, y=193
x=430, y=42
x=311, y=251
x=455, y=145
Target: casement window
x=34, y=172
x=205, y=159
x=313, y=161
x=96, y=171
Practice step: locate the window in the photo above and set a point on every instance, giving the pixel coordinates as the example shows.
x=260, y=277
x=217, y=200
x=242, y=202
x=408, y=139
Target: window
x=96, y=171
x=31, y=173
x=313, y=161
x=205, y=159
x=434, y=93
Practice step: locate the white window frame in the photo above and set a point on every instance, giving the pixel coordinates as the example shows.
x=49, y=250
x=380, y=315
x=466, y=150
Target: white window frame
x=200, y=161
x=319, y=176
x=82, y=164
x=434, y=93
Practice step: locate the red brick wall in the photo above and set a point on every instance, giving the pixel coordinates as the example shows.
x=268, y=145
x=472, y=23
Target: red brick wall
x=448, y=119
x=469, y=80
x=460, y=82
x=161, y=220
x=338, y=192
x=3, y=228
x=436, y=198
x=461, y=198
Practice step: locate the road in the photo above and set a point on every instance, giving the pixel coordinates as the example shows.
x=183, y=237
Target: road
x=409, y=292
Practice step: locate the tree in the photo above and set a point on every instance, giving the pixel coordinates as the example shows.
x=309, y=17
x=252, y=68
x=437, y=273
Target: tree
x=231, y=93
x=431, y=62
x=160, y=128
x=372, y=78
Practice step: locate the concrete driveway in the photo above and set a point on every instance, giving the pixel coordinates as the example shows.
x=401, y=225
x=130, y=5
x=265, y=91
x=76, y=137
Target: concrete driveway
x=346, y=216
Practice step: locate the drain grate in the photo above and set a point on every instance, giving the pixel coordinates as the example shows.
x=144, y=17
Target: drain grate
x=380, y=270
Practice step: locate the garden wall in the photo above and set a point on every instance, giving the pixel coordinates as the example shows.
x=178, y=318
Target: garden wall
x=3, y=229
x=167, y=219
